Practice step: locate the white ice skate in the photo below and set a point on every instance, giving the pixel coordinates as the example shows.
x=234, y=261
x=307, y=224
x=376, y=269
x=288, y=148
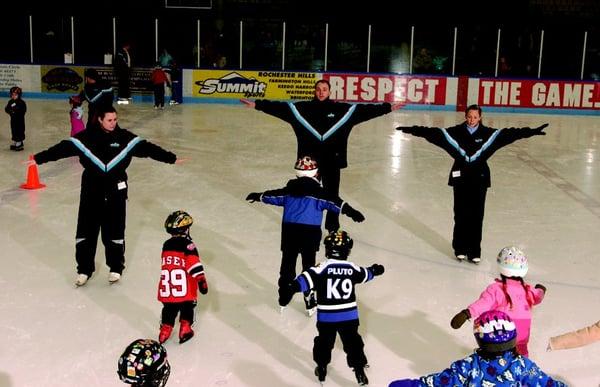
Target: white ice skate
x=113, y=277
x=81, y=279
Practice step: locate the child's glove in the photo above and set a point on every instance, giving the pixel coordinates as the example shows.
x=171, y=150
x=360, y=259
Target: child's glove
x=460, y=318
x=203, y=286
x=540, y=286
x=287, y=291
x=355, y=215
x=254, y=197
x=377, y=269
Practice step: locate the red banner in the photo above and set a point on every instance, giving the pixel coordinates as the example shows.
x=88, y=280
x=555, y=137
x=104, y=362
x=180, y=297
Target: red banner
x=387, y=88
x=539, y=94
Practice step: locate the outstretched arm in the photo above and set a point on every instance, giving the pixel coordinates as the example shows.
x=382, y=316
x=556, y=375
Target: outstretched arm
x=248, y=103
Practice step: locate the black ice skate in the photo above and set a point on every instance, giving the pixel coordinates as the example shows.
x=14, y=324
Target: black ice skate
x=321, y=373
x=361, y=377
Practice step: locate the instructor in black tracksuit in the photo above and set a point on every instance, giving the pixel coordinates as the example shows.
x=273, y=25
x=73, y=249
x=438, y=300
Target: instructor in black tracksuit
x=105, y=151
x=322, y=127
x=471, y=144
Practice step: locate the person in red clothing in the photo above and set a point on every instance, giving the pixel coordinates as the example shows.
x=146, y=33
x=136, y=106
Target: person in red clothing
x=159, y=79
x=181, y=275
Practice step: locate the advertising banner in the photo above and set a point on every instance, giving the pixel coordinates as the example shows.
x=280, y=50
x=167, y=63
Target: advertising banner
x=70, y=79
x=537, y=93
x=254, y=84
x=24, y=76
x=387, y=88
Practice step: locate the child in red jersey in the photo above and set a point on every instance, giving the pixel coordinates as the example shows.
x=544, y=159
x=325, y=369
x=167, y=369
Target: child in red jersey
x=181, y=275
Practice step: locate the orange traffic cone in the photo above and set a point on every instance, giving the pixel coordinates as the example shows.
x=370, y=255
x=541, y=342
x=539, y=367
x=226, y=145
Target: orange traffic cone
x=33, y=180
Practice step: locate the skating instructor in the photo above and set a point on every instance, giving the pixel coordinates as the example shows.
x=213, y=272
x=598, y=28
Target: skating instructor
x=322, y=127
x=105, y=151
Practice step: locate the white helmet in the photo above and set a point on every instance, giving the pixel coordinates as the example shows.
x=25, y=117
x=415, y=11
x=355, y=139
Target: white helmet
x=512, y=262
x=306, y=167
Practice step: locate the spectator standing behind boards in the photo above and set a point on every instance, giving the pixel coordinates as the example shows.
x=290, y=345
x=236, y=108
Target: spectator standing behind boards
x=159, y=78
x=577, y=338
x=122, y=64
x=510, y=294
x=16, y=109
x=176, y=85
x=105, y=151
x=303, y=201
x=322, y=128
x=495, y=364
x=470, y=144
x=97, y=93
x=76, y=115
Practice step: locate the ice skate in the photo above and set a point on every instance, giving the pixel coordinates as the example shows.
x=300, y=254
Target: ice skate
x=185, y=331
x=361, y=377
x=165, y=332
x=321, y=373
x=475, y=260
x=81, y=279
x=461, y=257
x=113, y=277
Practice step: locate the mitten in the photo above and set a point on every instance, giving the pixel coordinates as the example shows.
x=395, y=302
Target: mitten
x=376, y=269
x=460, y=318
x=355, y=215
x=254, y=197
x=540, y=286
x=287, y=291
x=538, y=131
x=407, y=129
x=203, y=286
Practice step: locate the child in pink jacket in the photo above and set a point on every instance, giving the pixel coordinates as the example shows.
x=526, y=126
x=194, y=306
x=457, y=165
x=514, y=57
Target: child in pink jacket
x=76, y=114
x=510, y=294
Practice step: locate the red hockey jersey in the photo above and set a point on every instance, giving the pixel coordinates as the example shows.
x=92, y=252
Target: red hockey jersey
x=181, y=271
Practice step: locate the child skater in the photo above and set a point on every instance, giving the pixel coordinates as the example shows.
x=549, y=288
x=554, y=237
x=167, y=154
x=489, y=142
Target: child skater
x=303, y=200
x=159, y=78
x=181, y=275
x=334, y=281
x=495, y=363
x=76, y=114
x=510, y=294
x=16, y=109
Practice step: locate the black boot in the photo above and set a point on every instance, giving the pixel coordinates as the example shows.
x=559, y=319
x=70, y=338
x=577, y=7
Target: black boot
x=321, y=373
x=361, y=377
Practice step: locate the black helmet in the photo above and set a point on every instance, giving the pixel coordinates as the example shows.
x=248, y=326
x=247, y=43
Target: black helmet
x=144, y=363
x=178, y=222
x=338, y=245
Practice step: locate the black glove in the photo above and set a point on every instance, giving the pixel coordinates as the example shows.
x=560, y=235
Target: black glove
x=355, y=215
x=203, y=286
x=539, y=130
x=460, y=318
x=540, y=286
x=377, y=269
x=407, y=129
x=254, y=197
x=287, y=291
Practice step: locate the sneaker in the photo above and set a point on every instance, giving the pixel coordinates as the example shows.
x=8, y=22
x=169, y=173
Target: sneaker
x=113, y=277
x=461, y=257
x=165, y=332
x=81, y=279
x=475, y=260
x=185, y=331
x=321, y=373
x=361, y=377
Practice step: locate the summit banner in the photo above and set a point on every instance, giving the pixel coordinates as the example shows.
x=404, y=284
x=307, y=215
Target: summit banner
x=535, y=93
x=278, y=85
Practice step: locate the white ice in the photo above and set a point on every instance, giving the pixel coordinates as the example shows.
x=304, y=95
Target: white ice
x=545, y=198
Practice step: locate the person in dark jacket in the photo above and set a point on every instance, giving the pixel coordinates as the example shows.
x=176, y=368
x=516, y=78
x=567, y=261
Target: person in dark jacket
x=98, y=94
x=470, y=144
x=16, y=109
x=122, y=65
x=303, y=201
x=322, y=127
x=105, y=151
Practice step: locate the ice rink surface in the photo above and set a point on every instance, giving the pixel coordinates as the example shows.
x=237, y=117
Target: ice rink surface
x=545, y=198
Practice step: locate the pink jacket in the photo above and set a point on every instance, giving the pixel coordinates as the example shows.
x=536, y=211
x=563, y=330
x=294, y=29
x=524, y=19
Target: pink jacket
x=493, y=297
x=77, y=124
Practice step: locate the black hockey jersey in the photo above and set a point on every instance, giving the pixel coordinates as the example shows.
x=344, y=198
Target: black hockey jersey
x=334, y=282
